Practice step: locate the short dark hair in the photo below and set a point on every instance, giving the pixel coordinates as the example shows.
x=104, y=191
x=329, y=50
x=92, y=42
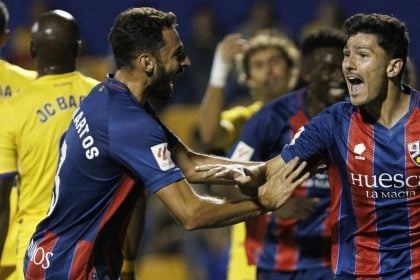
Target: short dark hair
x=138, y=30
x=322, y=38
x=392, y=33
x=4, y=17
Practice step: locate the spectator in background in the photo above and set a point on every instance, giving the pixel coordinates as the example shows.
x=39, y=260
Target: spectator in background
x=293, y=242
x=12, y=79
x=37, y=118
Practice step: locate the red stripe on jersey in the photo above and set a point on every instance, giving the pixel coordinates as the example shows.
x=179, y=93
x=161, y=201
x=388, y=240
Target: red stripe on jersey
x=360, y=161
x=335, y=181
x=255, y=233
x=123, y=190
x=39, y=261
x=412, y=169
x=297, y=121
x=79, y=266
x=287, y=255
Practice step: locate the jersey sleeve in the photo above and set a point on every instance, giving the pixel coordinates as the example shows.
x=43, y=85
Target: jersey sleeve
x=145, y=151
x=8, y=151
x=312, y=141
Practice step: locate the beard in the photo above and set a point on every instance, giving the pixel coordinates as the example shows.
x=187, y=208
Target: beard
x=162, y=85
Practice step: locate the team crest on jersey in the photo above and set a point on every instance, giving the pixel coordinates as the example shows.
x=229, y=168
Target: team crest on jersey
x=414, y=150
x=162, y=156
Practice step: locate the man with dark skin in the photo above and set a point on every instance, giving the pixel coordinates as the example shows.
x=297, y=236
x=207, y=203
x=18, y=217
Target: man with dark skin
x=37, y=118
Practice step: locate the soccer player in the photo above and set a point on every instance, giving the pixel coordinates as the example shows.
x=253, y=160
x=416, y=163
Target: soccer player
x=36, y=119
x=296, y=244
x=268, y=66
x=372, y=148
x=115, y=139
x=12, y=79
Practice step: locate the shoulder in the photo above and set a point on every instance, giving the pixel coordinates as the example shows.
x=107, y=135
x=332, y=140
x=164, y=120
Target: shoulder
x=281, y=108
x=339, y=110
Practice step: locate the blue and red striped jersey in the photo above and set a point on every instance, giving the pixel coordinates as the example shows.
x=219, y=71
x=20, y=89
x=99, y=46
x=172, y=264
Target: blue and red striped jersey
x=284, y=244
x=113, y=148
x=375, y=188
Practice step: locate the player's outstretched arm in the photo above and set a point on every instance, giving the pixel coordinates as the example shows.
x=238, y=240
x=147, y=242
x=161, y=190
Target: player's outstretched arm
x=194, y=211
x=188, y=160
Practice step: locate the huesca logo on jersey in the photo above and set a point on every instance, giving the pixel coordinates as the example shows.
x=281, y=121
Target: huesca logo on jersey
x=162, y=156
x=386, y=185
x=414, y=150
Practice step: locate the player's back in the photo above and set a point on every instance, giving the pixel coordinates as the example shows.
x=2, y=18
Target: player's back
x=39, y=116
x=13, y=78
x=93, y=197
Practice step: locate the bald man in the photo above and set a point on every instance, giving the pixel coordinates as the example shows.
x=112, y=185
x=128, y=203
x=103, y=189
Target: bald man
x=36, y=119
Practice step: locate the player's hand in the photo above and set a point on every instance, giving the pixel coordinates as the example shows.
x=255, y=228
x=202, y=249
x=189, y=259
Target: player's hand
x=231, y=45
x=281, y=183
x=234, y=174
x=297, y=207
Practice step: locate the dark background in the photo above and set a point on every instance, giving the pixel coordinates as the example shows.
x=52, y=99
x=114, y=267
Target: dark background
x=96, y=16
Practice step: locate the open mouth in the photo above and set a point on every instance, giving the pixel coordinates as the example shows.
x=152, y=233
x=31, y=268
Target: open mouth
x=355, y=83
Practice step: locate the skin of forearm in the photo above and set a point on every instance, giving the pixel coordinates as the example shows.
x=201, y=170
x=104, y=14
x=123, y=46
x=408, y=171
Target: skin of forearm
x=215, y=212
x=202, y=159
x=209, y=115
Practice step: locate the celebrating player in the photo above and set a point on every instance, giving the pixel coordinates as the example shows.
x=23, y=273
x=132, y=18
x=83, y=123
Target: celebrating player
x=115, y=140
x=372, y=148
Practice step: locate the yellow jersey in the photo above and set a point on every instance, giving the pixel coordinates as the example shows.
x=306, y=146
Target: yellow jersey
x=12, y=79
x=31, y=126
x=233, y=120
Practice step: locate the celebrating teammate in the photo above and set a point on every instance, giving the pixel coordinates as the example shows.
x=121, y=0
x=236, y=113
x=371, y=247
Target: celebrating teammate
x=115, y=139
x=372, y=148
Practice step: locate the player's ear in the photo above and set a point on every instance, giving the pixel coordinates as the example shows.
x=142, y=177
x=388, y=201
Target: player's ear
x=394, y=67
x=146, y=63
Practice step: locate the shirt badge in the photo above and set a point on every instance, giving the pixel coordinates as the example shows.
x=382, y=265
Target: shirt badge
x=162, y=156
